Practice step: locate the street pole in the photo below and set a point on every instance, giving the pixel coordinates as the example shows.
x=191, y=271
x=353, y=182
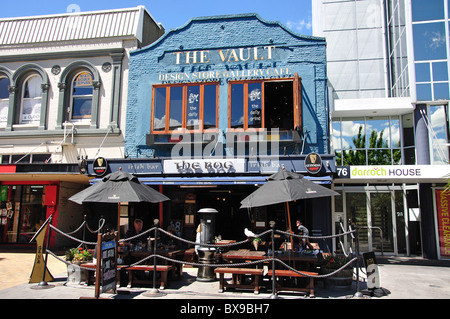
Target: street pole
x=274, y=292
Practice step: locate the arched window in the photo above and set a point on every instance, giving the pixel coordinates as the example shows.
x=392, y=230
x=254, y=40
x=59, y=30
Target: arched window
x=31, y=102
x=4, y=100
x=82, y=90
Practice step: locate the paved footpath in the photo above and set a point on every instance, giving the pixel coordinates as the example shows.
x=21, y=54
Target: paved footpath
x=402, y=277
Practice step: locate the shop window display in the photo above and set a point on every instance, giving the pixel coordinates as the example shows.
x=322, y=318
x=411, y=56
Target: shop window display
x=22, y=212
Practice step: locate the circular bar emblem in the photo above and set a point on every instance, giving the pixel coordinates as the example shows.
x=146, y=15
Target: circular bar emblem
x=100, y=166
x=313, y=163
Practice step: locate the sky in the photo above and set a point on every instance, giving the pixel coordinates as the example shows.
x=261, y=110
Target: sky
x=295, y=14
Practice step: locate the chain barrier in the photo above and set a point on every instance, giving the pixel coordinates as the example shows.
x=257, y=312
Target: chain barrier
x=71, y=237
x=78, y=229
x=99, y=228
x=138, y=235
x=312, y=237
x=214, y=265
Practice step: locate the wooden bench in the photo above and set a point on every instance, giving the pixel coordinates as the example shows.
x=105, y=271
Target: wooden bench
x=279, y=273
x=237, y=279
x=163, y=269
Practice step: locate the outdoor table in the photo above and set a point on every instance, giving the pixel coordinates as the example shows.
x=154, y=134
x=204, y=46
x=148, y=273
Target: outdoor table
x=225, y=241
x=244, y=254
x=299, y=261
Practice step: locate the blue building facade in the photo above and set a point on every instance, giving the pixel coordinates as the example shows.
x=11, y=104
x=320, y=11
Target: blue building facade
x=223, y=50
x=218, y=105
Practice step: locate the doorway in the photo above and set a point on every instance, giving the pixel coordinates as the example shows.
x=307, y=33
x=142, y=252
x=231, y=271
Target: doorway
x=382, y=214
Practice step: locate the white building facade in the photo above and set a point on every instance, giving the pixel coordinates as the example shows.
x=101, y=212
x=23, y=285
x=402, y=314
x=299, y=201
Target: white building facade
x=387, y=66
x=63, y=93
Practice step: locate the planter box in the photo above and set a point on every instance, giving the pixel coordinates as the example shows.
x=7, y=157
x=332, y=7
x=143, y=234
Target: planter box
x=341, y=280
x=76, y=275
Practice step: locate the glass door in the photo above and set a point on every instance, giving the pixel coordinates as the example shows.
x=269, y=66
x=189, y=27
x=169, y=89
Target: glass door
x=356, y=211
x=380, y=223
x=381, y=215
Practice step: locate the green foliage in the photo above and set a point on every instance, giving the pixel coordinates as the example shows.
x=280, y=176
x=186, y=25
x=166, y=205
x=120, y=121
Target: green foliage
x=78, y=254
x=378, y=152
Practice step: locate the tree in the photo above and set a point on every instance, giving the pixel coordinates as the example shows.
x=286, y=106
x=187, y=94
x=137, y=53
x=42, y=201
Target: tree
x=378, y=152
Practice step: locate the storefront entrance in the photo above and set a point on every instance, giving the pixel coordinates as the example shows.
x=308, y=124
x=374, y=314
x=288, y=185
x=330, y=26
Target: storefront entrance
x=386, y=215
x=23, y=209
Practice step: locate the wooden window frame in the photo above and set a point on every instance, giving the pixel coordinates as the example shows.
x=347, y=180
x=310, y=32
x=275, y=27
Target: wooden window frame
x=297, y=101
x=184, y=128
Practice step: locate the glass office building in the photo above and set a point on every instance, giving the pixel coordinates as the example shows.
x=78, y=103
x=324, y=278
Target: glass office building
x=387, y=65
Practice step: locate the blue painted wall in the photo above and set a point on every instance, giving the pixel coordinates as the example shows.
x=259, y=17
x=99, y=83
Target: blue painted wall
x=153, y=64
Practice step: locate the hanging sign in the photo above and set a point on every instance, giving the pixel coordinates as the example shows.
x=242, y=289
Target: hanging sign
x=313, y=163
x=100, y=166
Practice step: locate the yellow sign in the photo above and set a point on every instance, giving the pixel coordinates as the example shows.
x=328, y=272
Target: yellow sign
x=39, y=263
x=83, y=79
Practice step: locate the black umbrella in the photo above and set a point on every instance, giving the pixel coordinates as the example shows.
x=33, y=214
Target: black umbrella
x=283, y=187
x=118, y=187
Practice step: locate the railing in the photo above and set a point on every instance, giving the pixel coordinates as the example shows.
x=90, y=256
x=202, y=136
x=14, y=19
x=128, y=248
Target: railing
x=354, y=258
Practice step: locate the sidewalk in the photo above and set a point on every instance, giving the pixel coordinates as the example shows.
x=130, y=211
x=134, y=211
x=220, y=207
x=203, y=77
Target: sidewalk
x=404, y=278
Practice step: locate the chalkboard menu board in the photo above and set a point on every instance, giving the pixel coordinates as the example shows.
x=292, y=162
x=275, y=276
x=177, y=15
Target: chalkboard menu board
x=108, y=265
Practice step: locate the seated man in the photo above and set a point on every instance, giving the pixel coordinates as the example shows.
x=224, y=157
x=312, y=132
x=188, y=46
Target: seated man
x=134, y=231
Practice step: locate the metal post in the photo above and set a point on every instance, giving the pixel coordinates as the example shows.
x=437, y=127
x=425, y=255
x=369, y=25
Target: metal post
x=274, y=292
x=84, y=229
x=155, y=245
x=154, y=292
x=358, y=293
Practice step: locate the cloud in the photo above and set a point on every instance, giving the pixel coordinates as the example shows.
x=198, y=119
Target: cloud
x=299, y=25
x=437, y=40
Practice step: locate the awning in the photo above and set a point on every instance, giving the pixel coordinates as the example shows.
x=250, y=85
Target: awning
x=215, y=180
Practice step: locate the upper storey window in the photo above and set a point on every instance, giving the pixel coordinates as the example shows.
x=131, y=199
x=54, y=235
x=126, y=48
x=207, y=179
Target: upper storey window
x=265, y=104
x=4, y=100
x=178, y=107
x=31, y=102
x=81, y=98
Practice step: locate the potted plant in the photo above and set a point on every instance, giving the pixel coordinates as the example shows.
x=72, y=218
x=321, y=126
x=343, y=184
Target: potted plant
x=256, y=242
x=76, y=257
x=341, y=279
